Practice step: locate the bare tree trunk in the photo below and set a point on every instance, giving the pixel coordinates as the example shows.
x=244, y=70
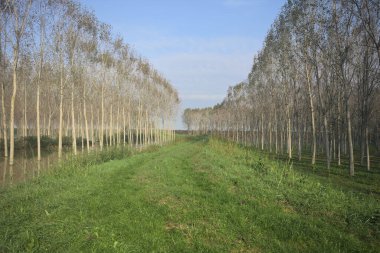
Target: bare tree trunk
x=145, y=128
x=289, y=134
x=4, y=120
x=350, y=144
x=245, y=135
x=82, y=129
x=137, y=130
x=98, y=125
x=276, y=130
x=138, y=124
x=44, y=125
x=262, y=131
x=49, y=124
x=173, y=131
x=19, y=26
x=333, y=146
x=73, y=133
x=12, y=114
x=25, y=134
x=106, y=135
x=328, y=157
x=38, y=119
x=74, y=141
x=299, y=144
x=111, y=127
x=236, y=128
x=60, y=108
x=163, y=139
x=38, y=88
x=25, y=130
x=281, y=140
x=339, y=131
x=233, y=134
x=156, y=133
x=124, y=127
x=85, y=118
x=367, y=148
x=117, y=125
x=92, y=127
x=151, y=132
x=102, y=119
x=270, y=135
x=314, y=144
x=78, y=125
x=130, y=140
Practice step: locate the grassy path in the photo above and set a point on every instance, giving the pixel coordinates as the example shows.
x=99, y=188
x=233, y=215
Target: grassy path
x=192, y=196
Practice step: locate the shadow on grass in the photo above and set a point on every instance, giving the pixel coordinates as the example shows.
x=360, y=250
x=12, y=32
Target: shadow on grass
x=364, y=181
x=197, y=138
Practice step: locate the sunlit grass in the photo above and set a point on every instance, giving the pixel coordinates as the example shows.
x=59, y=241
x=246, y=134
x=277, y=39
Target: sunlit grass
x=197, y=195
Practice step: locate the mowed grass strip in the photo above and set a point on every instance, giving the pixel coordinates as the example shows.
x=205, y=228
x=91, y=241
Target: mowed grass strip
x=197, y=195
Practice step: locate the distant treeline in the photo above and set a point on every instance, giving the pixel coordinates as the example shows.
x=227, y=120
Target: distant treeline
x=64, y=74
x=314, y=85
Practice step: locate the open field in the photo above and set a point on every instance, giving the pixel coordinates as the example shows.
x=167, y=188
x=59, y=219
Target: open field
x=196, y=195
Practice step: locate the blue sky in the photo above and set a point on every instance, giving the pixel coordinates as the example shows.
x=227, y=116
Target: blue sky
x=202, y=47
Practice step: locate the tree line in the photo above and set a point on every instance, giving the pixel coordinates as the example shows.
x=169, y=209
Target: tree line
x=65, y=75
x=313, y=86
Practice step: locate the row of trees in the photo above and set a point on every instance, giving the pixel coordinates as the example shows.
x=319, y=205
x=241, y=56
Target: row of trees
x=63, y=73
x=314, y=85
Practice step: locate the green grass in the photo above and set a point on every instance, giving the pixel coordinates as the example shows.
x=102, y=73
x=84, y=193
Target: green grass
x=197, y=195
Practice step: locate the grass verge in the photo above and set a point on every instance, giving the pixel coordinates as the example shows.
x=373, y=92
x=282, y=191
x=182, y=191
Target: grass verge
x=196, y=195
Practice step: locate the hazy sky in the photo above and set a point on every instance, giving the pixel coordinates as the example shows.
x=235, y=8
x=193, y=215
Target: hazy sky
x=201, y=46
